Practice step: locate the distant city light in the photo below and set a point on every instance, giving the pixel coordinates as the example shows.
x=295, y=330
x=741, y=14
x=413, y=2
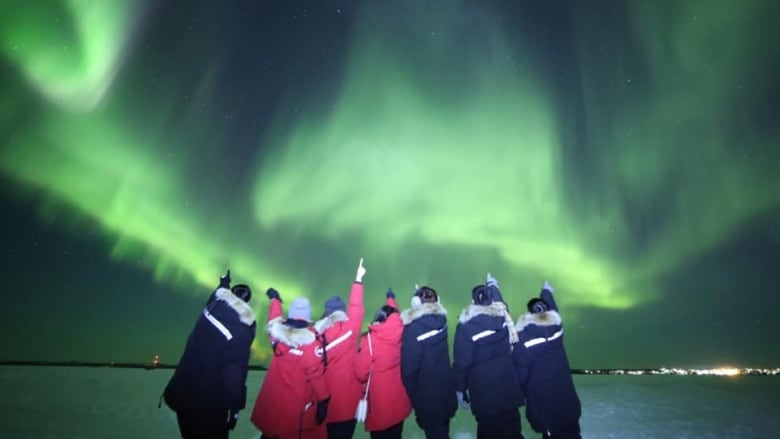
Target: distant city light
x=718, y=371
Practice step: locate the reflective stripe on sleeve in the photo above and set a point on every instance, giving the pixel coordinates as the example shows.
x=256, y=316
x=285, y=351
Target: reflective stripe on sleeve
x=429, y=334
x=217, y=324
x=482, y=334
x=536, y=341
x=335, y=342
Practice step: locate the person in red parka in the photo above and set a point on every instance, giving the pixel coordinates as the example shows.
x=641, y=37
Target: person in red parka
x=293, y=400
x=388, y=403
x=339, y=330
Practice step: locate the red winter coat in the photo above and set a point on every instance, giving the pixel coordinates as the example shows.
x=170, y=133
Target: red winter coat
x=286, y=405
x=388, y=403
x=341, y=331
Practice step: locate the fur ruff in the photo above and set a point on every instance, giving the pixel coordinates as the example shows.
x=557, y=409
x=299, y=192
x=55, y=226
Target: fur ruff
x=495, y=309
x=293, y=337
x=244, y=311
x=411, y=314
x=547, y=318
x=326, y=322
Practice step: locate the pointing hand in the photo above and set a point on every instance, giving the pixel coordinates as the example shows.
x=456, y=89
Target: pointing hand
x=361, y=271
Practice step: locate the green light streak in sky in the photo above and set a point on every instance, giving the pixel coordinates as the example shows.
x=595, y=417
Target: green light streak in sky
x=93, y=164
x=399, y=160
x=70, y=50
x=434, y=141
x=479, y=167
x=679, y=144
x=88, y=163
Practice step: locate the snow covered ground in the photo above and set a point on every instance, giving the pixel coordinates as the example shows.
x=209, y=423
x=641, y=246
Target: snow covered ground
x=85, y=402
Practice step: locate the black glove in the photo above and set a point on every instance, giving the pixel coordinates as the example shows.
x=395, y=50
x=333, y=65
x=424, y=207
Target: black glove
x=232, y=419
x=322, y=410
x=224, y=280
x=390, y=294
x=273, y=294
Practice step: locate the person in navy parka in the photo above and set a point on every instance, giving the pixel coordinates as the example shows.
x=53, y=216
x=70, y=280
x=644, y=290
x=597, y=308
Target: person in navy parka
x=552, y=405
x=208, y=387
x=425, y=364
x=485, y=376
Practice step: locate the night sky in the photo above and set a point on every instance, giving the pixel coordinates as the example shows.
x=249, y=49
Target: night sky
x=627, y=151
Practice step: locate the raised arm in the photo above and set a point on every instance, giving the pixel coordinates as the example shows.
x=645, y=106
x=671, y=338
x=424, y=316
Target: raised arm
x=224, y=282
x=495, y=292
x=390, y=298
x=547, y=295
x=356, y=310
x=275, y=307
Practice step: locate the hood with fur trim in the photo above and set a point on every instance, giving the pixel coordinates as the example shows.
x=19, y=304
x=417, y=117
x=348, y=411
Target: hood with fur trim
x=547, y=318
x=244, y=311
x=411, y=314
x=326, y=322
x=495, y=309
x=289, y=335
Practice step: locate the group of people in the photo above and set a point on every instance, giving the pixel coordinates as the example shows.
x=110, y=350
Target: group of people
x=322, y=370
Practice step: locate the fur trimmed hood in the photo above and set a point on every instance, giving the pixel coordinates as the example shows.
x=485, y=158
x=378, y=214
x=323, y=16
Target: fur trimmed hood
x=326, y=322
x=291, y=336
x=411, y=314
x=244, y=311
x=547, y=318
x=495, y=309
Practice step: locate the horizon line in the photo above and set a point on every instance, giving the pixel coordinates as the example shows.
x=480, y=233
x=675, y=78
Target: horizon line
x=719, y=371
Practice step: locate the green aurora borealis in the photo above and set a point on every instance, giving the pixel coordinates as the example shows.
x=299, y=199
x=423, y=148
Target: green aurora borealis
x=609, y=150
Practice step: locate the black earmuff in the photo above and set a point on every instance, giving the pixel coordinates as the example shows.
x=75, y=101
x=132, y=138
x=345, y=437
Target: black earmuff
x=242, y=292
x=480, y=295
x=537, y=305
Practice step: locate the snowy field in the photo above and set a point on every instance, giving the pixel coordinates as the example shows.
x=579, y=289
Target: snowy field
x=85, y=402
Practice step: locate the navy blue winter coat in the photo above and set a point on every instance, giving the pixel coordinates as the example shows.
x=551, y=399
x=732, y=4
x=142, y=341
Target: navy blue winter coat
x=211, y=374
x=425, y=364
x=544, y=371
x=483, y=363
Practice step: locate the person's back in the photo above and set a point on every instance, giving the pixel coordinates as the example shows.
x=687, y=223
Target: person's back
x=292, y=401
x=484, y=369
x=425, y=364
x=339, y=330
x=483, y=361
x=380, y=356
x=552, y=404
x=208, y=388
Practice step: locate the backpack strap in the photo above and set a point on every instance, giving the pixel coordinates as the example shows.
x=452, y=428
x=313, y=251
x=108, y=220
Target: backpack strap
x=323, y=346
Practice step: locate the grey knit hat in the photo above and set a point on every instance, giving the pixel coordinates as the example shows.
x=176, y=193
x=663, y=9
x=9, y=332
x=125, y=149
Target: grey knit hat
x=300, y=309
